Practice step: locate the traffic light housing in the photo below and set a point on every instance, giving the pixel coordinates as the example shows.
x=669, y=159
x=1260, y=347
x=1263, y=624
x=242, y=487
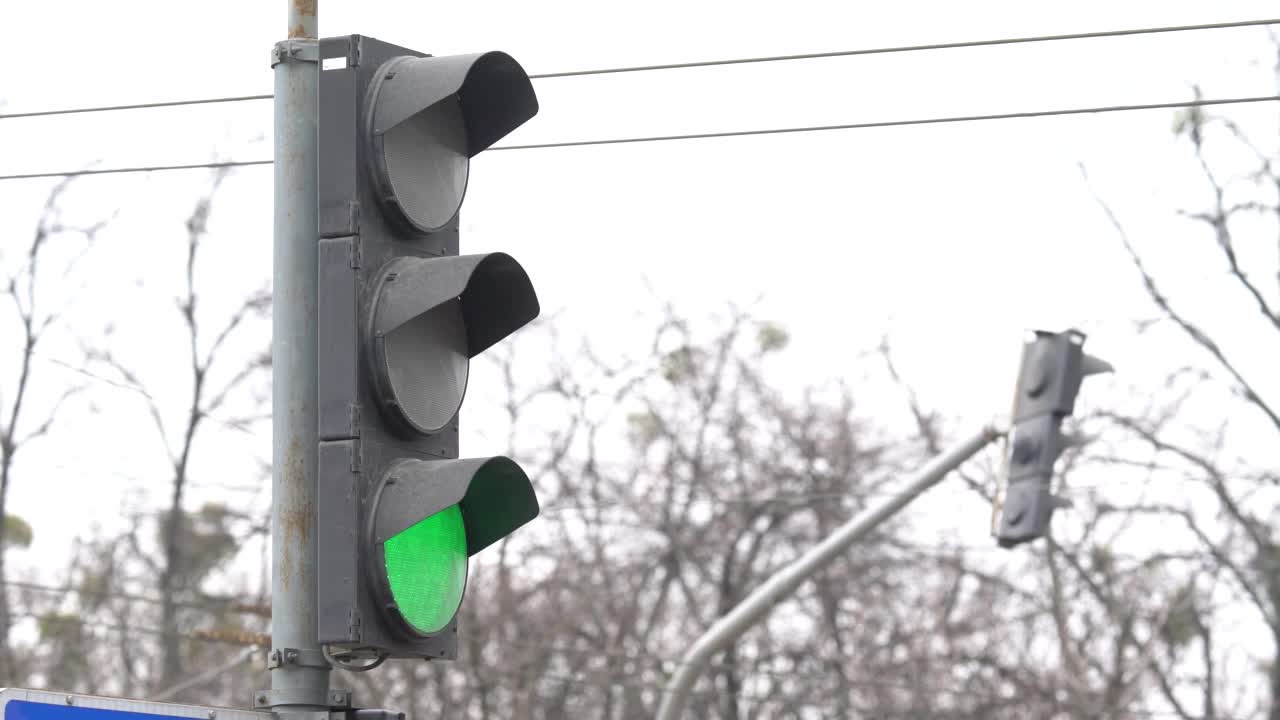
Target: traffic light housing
x=400, y=314
x=1053, y=366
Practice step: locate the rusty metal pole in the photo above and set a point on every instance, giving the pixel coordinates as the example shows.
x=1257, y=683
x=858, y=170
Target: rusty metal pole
x=299, y=671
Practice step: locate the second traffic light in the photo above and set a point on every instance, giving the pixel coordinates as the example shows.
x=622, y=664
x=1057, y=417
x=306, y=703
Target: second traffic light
x=400, y=315
x=1053, y=366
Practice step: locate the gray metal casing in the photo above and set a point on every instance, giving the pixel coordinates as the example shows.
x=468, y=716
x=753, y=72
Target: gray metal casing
x=1049, y=378
x=1053, y=366
x=377, y=270
x=1035, y=445
x=356, y=446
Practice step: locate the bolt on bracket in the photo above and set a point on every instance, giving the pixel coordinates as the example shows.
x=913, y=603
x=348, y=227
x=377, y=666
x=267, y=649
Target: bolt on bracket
x=280, y=657
x=295, y=51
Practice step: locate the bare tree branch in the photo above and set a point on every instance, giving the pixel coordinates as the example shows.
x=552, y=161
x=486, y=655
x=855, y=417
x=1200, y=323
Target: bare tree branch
x=1199, y=336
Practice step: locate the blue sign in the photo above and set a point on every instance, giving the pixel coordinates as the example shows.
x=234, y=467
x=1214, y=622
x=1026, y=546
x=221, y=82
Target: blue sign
x=27, y=710
x=23, y=704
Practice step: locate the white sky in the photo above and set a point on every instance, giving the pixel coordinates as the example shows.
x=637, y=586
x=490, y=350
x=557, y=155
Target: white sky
x=950, y=238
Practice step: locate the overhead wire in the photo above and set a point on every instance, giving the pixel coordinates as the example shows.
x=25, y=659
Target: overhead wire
x=197, y=635
x=955, y=45
x=144, y=168
x=731, y=133
x=893, y=123
x=134, y=106
x=914, y=48
x=212, y=604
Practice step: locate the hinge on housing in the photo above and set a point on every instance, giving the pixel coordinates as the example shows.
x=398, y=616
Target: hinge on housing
x=353, y=416
x=354, y=253
x=355, y=631
x=353, y=51
x=355, y=456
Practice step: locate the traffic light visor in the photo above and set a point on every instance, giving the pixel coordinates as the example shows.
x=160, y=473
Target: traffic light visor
x=429, y=317
x=493, y=495
x=426, y=365
x=427, y=165
x=429, y=516
x=427, y=116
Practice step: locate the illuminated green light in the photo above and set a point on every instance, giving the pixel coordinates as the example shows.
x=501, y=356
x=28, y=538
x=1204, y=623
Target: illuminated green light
x=427, y=569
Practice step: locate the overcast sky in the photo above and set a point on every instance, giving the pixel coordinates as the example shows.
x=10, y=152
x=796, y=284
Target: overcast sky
x=951, y=239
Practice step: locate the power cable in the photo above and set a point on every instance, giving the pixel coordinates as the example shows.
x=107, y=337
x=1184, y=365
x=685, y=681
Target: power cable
x=892, y=123
x=912, y=48
x=212, y=604
x=196, y=636
x=136, y=106
x=731, y=133
x=723, y=62
x=346, y=664
x=150, y=168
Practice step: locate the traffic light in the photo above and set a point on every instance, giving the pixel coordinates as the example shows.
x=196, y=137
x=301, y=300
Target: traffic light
x=400, y=314
x=1053, y=366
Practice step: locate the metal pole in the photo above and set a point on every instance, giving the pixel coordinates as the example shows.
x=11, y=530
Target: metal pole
x=299, y=673
x=758, y=604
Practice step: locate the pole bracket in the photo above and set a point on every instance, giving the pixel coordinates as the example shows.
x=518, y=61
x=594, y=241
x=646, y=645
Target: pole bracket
x=280, y=657
x=295, y=50
x=333, y=699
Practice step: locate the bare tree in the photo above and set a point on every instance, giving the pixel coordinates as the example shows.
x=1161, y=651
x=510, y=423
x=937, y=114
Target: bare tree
x=21, y=423
x=1065, y=627
x=1176, y=478
x=190, y=545
x=1226, y=510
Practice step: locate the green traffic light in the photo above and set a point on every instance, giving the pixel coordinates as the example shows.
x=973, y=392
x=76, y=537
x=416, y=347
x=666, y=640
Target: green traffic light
x=427, y=569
